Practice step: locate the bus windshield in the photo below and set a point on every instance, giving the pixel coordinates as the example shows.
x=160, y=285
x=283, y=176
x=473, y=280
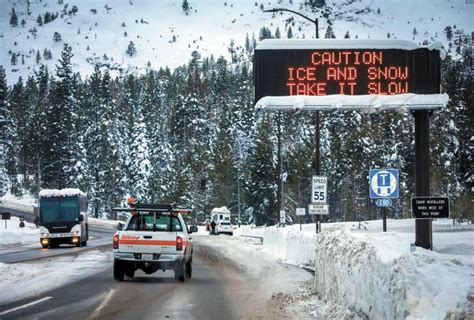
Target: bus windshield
x=59, y=209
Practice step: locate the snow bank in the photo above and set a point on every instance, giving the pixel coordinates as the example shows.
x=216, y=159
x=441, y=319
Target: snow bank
x=249, y=231
x=387, y=284
x=103, y=222
x=15, y=235
x=293, y=246
x=375, y=273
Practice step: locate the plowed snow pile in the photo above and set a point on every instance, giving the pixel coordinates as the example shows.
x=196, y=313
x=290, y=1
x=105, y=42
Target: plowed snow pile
x=375, y=273
x=415, y=285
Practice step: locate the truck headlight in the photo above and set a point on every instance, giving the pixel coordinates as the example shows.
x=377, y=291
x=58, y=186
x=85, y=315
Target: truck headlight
x=45, y=235
x=75, y=233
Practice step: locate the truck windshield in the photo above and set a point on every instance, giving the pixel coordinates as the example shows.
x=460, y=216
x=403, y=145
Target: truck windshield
x=147, y=222
x=59, y=209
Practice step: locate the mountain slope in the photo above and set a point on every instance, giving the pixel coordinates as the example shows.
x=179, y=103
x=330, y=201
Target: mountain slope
x=165, y=36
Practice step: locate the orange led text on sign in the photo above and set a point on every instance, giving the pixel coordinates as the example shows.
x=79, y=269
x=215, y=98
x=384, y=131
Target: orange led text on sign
x=344, y=71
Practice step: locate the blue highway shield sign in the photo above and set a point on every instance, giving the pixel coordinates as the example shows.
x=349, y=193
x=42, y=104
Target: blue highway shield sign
x=383, y=183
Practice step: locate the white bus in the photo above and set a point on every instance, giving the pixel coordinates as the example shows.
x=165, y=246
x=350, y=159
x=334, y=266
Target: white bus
x=62, y=217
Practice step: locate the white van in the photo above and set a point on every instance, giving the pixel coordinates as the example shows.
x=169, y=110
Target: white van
x=221, y=214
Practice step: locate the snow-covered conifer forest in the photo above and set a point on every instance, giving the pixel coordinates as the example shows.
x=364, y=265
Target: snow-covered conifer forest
x=86, y=102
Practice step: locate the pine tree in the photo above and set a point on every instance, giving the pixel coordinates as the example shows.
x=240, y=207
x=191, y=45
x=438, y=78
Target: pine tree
x=131, y=50
x=289, y=35
x=47, y=17
x=23, y=22
x=261, y=181
x=248, y=48
x=329, y=33
x=277, y=33
x=74, y=10
x=13, y=59
x=57, y=37
x=4, y=130
x=60, y=124
x=347, y=36
x=39, y=20
x=13, y=18
x=38, y=57
x=449, y=33
x=185, y=7
x=232, y=51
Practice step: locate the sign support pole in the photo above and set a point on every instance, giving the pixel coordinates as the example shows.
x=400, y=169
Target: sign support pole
x=423, y=227
x=384, y=211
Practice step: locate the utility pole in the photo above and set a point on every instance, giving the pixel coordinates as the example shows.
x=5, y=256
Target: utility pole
x=316, y=165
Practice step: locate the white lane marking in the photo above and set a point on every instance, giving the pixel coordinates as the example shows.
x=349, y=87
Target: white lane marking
x=102, y=305
x=24, y=306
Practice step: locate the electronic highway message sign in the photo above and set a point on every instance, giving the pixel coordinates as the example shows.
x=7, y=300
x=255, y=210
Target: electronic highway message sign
x=375, y=68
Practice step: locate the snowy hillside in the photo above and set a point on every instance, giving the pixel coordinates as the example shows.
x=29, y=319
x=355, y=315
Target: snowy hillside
x=100, y=31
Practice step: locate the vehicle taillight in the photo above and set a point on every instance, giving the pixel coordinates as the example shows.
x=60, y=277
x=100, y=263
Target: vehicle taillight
x=115, y=243
x=179, y=243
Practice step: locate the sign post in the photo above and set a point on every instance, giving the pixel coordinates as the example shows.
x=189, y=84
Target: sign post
x=282, y=217
x=301, y=212
x=6, y=216
x=319, y=195
x=383, y=187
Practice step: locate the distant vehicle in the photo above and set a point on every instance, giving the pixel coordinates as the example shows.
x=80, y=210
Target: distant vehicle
x=155, y=237
x=225, y=228
x=220, y=214
x=62, y=217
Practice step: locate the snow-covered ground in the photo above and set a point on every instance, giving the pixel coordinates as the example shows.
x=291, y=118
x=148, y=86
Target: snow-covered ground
x=13, y=235
x=376, y=274
x=165, y=36
x=33, y=278
x=24, y=203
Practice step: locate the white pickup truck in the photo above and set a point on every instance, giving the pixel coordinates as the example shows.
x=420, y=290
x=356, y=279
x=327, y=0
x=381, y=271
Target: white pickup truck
x=155, y=237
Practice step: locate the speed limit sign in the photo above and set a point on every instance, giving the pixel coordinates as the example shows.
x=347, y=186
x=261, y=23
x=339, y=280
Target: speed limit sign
x=320, y=186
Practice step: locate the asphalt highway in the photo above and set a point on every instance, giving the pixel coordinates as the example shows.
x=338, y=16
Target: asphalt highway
x=217, y=290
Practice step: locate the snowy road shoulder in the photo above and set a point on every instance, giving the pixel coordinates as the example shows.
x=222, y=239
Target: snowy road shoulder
x=22, y=280
x=286, y=287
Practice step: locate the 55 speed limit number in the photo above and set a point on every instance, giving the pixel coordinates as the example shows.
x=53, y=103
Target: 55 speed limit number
x=319, y=189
